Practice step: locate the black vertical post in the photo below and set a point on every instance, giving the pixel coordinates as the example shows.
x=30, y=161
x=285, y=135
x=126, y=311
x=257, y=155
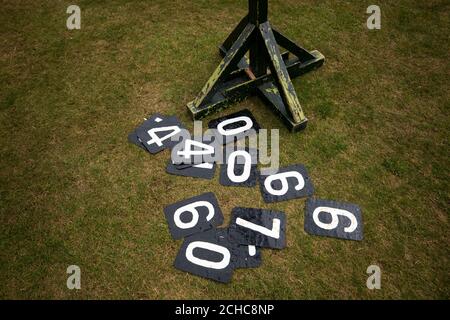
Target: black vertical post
x=258, y=15
x=253, y=11
x=262, y=11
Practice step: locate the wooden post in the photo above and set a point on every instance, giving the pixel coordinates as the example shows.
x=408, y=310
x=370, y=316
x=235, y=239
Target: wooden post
x=237, y=76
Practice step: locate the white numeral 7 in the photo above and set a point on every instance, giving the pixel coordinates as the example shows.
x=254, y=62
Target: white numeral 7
x=274, y=233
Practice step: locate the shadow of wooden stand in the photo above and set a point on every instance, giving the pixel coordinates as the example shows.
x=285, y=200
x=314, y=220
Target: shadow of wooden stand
x=264, y=71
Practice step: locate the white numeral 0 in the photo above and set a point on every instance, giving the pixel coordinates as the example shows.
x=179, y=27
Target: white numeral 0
x=192, y=208
x=334, y=218
x=247, y=166
x=222, y=131
x=211, y=247
x=285, y=185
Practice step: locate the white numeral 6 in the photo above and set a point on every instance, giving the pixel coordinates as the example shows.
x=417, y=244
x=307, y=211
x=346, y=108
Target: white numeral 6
x=192, y=208
x=285, y=185
x=335, y=213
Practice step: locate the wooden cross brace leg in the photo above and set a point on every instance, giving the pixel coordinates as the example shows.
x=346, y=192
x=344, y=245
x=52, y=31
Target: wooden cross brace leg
x=238, y=76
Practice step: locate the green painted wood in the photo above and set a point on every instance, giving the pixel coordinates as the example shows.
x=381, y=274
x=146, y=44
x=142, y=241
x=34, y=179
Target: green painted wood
x=239, y=76
x=281, y=74
x=236, y=52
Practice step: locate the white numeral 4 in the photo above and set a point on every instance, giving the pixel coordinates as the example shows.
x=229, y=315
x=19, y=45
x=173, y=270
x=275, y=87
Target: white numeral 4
x=189, y=150
x=154, y=137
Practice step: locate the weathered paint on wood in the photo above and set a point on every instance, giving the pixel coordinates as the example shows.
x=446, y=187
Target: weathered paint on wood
x=266, y=72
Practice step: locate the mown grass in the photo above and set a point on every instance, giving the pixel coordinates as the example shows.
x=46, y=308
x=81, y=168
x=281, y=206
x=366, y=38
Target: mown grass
x=73, y=191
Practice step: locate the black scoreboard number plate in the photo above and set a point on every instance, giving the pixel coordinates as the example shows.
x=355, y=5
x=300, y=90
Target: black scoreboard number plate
x=333, y=219
x=246, y=256
x=235, y=126
x=288, y=183
x=133, y=138
x=193, y=215
x=258, y=227
x=207, y=255
x=159, y=132
x=202, y=171
x=243, y=256
x=240, y=169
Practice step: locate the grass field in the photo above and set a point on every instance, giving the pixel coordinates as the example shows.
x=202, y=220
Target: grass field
x=73, y=191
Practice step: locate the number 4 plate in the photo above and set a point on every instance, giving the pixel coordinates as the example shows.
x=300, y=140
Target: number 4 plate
x=160, y=132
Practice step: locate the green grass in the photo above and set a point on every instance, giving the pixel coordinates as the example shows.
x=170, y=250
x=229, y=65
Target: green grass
x=73, y=191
